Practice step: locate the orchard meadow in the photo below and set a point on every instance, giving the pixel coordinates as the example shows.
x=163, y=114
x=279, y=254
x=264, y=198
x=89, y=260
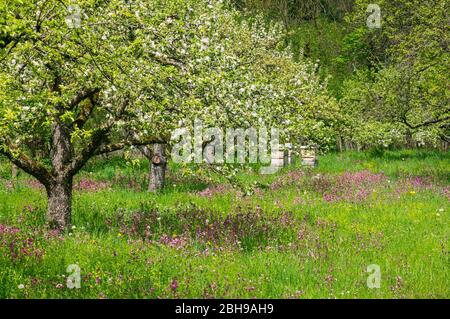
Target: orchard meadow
x=333, y=183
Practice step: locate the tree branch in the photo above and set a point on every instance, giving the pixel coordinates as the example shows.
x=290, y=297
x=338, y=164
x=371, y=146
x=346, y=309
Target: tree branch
x=83, y=95
x=27, y=164
x=89, y=151
x=121, y=145
x=98, y=139
x=167, y=61
x=427, y=123
x=84, y=113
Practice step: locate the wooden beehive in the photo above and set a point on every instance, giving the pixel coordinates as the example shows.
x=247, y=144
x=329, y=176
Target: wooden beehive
x=283, y=157
x=278, y=158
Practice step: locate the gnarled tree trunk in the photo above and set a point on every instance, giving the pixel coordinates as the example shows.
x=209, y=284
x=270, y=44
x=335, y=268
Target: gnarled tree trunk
x=157, y=166
x=59, y=211
x=59, y=188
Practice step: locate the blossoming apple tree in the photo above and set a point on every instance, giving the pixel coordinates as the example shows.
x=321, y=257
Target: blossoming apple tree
x=76, y=86
x=84, y=78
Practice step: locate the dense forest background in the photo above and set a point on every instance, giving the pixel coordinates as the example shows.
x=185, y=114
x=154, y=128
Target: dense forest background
x=313, y=29
x=391, y=82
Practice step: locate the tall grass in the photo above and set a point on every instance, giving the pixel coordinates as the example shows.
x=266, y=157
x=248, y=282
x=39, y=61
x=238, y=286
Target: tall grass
x=288, y=239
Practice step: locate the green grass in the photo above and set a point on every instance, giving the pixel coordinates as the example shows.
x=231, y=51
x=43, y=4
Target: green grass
x=283, y=241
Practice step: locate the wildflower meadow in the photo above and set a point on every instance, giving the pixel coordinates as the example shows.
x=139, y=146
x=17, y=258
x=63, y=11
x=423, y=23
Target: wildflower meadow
x=302, y=233
x=239, y=150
